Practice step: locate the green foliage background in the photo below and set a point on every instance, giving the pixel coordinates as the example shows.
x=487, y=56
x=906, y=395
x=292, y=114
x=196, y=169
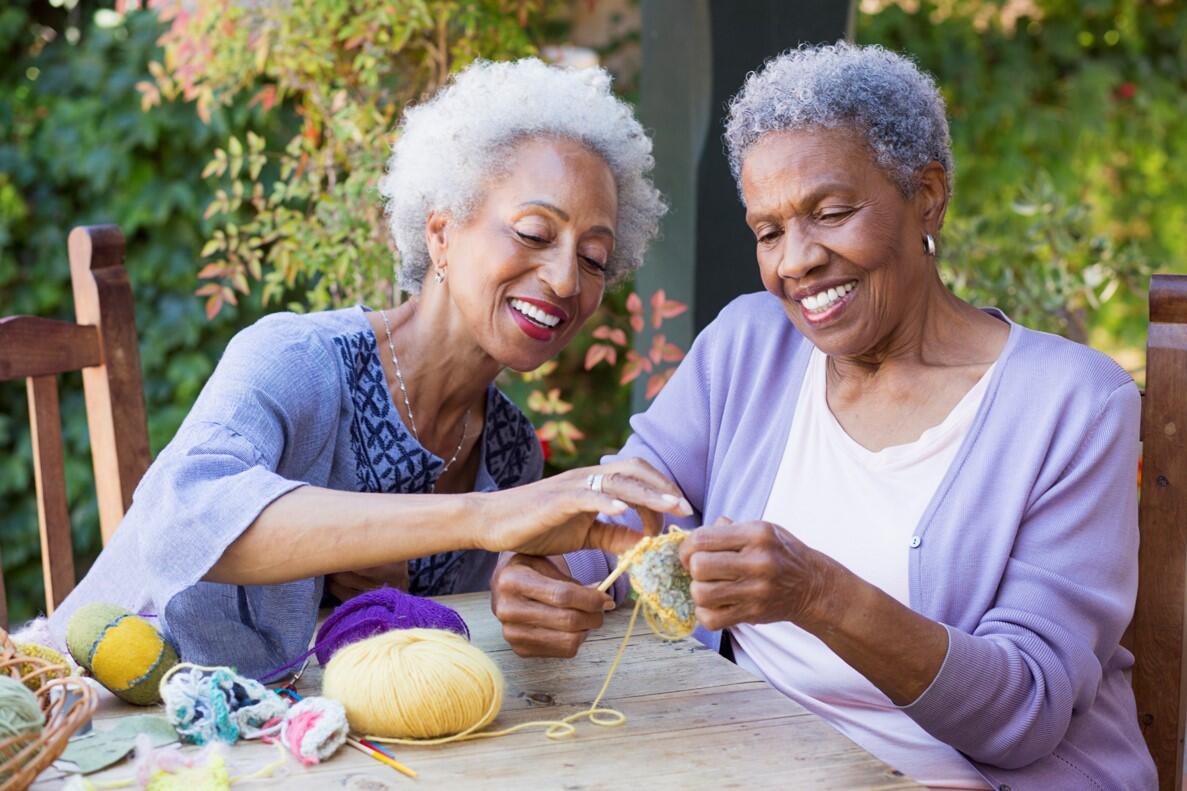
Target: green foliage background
x=1066, y=128
x=1066, y=131
x=76, y=149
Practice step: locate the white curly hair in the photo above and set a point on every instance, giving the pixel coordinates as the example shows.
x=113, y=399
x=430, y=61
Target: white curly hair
x=884, y=96
x=450, y=147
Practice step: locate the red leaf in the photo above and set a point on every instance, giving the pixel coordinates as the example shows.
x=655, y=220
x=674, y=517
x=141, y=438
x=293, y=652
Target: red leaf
x=213, y=305
x=657, y=382
x=265, y=98
x=671, y=353
x=608, y=333
x=657, y=348
x=635, y=365
x=211, y=271
x=634, y=305
x=599, y=352
x=663, y=308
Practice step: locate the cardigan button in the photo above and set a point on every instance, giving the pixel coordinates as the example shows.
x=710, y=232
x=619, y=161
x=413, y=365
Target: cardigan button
x=915, y=542
x=1003, y=787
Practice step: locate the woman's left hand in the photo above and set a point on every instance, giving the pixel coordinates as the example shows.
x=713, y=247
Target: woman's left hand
x=348, y=584
x=754, y=572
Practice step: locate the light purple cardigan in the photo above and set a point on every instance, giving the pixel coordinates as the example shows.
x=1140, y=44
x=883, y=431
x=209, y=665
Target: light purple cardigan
x=1027, y=553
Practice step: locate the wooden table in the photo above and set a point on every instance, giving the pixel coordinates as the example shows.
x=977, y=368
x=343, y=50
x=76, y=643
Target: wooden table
x=694, y=721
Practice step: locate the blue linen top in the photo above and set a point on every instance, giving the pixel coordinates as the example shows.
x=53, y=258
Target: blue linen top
x=295, y=400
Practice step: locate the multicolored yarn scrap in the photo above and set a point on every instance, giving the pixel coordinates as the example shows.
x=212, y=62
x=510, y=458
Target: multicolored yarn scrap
x=313, y=729
x=208, y=704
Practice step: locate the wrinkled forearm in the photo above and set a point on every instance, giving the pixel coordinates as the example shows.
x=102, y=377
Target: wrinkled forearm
x=896, y=648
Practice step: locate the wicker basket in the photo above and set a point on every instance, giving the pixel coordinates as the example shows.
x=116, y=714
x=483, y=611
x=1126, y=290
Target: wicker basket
x=24, y=757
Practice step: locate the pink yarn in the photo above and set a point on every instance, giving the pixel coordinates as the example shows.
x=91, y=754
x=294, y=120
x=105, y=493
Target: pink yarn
x=295, y=730
x=314, y=728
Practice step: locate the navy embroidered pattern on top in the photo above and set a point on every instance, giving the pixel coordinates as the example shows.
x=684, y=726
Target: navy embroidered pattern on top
x=389, y=459
x=510, y=437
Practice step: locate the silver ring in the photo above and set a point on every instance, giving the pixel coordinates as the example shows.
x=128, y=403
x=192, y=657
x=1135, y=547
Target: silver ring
x=595, y=482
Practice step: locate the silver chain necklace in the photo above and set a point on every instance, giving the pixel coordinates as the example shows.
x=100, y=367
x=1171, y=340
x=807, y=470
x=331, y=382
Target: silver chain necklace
x=391, y=345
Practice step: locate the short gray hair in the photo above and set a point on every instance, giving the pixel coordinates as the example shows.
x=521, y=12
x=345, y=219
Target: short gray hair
x=450, y=146
x=883, y=96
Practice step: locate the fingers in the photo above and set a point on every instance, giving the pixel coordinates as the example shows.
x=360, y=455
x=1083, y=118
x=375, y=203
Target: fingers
x=637, y=482
x=721, y=566
x=610, y=537
x=689, y=546
x=725, y=537
x=537, y=580
x=653, y=523
x=543, y=612
x=346, y=585
x=526, y=640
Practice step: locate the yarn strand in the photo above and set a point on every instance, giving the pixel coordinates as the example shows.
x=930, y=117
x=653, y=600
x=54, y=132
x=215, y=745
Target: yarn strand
x=605, y=717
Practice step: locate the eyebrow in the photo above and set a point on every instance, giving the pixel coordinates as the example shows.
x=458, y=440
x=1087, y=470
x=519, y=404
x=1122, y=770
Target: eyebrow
x=812, y=196
x=564, y=215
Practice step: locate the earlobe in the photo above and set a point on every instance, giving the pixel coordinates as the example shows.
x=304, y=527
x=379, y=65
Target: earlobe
x=436, y=236
x=932, y=197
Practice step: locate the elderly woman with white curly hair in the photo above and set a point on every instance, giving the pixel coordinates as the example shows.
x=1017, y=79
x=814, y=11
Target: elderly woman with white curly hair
x=351, y=448
x=934, y=543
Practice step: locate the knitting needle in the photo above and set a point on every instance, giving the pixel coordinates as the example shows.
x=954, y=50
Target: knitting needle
x=606, y=583
x=364, y=746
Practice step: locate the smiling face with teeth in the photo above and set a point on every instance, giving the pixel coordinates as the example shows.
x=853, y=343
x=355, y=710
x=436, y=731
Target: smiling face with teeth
x=527, y=267
x=837, y=241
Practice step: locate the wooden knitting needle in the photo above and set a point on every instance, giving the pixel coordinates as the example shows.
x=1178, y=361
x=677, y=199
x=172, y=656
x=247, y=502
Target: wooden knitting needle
x=369, y=749
x=606, y=583
x=362, y=745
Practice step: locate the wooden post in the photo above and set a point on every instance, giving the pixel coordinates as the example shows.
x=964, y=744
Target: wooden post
x=1158, y=627
x=114, y=398
x=696, y=55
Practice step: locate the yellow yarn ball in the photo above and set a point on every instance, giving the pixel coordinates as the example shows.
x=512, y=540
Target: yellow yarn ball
x=27, y=669
x=415, y=684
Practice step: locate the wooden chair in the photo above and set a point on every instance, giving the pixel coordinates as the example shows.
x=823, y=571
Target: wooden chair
x=102, y=344
x=1157, y=632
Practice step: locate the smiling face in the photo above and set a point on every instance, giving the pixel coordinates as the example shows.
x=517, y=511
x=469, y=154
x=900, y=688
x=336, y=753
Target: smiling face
x=836, y=240
x=527, y=267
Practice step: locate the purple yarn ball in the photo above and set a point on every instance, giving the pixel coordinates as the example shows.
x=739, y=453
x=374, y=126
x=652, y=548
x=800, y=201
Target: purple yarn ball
x=382, y=610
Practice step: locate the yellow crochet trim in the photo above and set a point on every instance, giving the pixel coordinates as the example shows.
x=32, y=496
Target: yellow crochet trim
x=660, y=599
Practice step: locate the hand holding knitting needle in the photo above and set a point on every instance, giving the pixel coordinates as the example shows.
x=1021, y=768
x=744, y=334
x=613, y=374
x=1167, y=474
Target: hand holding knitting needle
x=545, y=612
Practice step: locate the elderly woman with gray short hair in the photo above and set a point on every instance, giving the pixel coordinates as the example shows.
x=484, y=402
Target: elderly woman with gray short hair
x=352, y=448
x=934, y=535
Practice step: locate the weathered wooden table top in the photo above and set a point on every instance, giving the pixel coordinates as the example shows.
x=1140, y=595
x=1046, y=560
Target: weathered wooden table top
x=694, y=721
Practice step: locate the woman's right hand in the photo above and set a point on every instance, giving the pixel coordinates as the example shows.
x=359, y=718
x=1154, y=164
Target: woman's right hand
x=544, y=612
x=559, y=514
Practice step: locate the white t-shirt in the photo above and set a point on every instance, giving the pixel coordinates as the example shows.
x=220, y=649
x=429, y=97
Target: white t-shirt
x=861, y=508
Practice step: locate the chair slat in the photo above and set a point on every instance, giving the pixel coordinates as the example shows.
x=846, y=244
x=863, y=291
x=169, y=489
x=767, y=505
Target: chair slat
x=49, y=468
x=35, y=346
x=1158, y=626
x=116, y=415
